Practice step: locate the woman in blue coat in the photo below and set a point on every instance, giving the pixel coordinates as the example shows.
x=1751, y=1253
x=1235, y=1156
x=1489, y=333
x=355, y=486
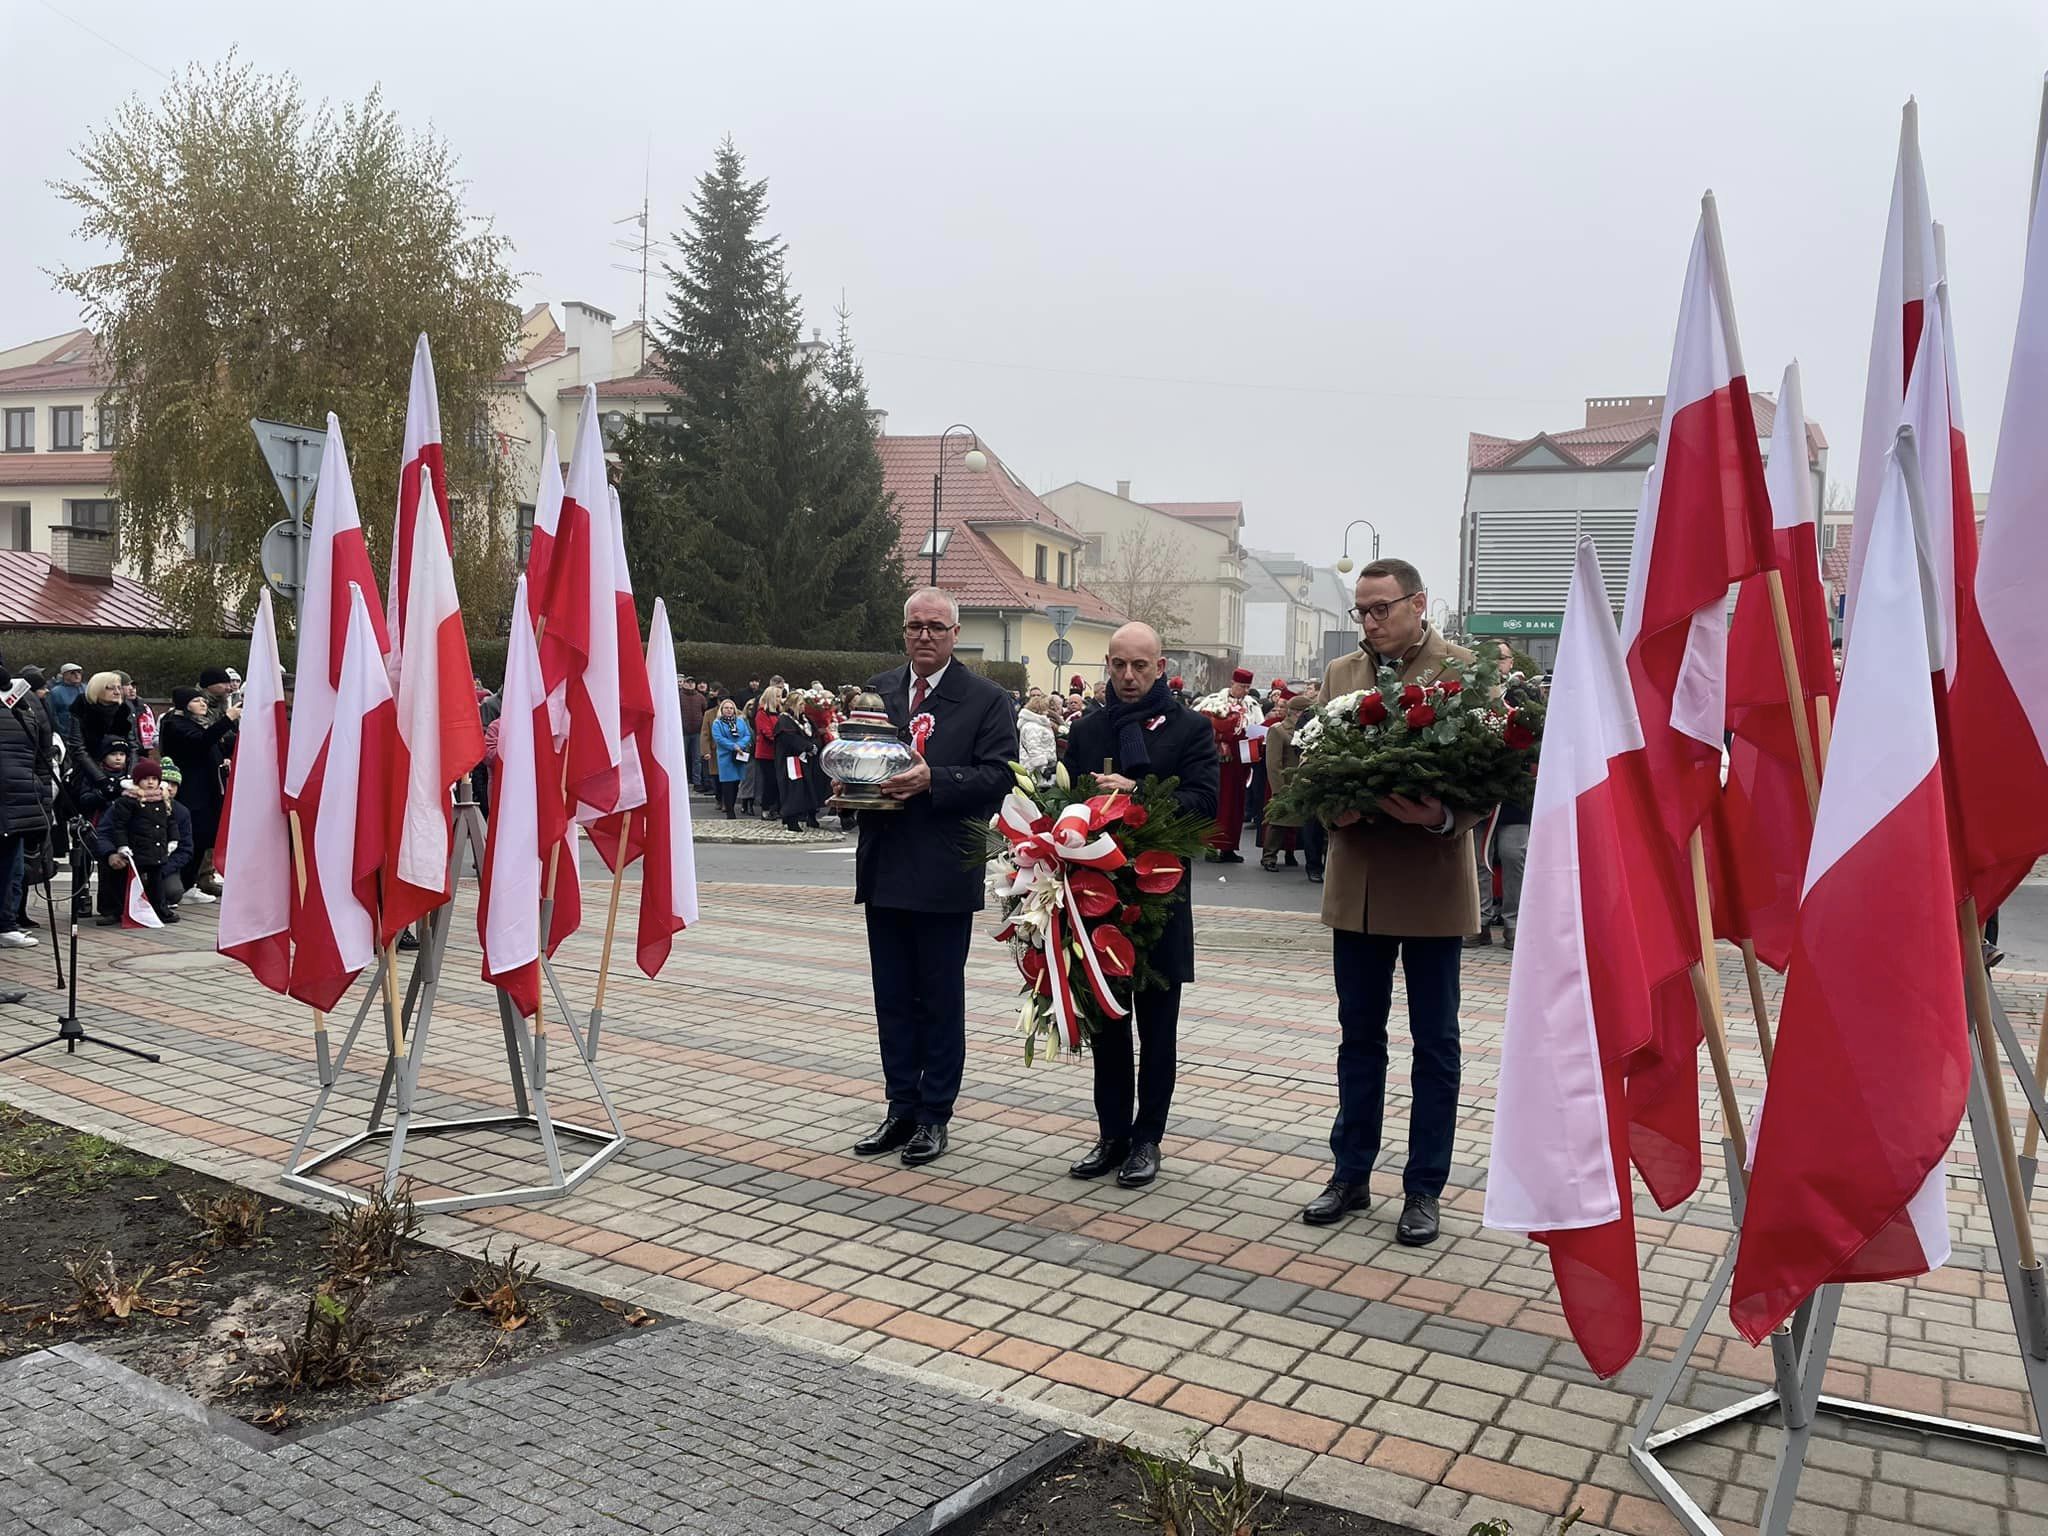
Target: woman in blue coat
x=731, y=738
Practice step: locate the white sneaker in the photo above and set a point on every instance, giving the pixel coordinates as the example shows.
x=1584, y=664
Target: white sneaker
x=14, y=939
x=198, y=898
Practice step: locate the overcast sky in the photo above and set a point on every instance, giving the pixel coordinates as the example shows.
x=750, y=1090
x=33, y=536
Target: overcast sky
x=1280, y=252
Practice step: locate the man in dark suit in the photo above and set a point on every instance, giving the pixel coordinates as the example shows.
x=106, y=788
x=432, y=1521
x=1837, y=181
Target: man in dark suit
x=912, y=874
x=1143, y=732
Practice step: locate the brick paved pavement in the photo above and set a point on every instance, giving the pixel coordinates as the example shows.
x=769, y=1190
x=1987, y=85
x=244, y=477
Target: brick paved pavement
x=1347, y=1367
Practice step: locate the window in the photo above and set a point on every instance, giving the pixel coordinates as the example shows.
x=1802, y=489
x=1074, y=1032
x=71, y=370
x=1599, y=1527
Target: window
x=1064, y=559
x=104, y=515
x=1827, y=536
x=14, y=525
x=661, y=420
x=525, y=531
x=21, y=431
x=67, y=428
x=1091, y=554
x=111, y=423
x=209, y=536
x=944, y=536
x=1038, y=563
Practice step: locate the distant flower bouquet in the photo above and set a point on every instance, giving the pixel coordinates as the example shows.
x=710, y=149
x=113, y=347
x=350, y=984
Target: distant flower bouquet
x=1454, y=737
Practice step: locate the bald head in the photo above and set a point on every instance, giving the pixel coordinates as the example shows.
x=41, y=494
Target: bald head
x=1136, y=661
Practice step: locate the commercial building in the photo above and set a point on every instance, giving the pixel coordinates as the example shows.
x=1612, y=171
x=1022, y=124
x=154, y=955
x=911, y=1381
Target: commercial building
x=1528, y=502
x=1291, y=609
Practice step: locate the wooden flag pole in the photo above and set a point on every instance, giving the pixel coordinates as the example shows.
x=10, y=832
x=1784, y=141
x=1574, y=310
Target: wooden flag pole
x=1795, y=695
x=1758, y=1004
x=1706, y=992
x=1824, y=729
x=299, y=874
x=2040, y=1080
x=1977, y=985
x=611, y=924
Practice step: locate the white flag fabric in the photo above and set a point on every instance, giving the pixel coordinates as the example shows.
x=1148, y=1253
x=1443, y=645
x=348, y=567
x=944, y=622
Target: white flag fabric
x=254, y=853
x=668, y=871
x=526, y=820
x=136, y=912
x=422, y=476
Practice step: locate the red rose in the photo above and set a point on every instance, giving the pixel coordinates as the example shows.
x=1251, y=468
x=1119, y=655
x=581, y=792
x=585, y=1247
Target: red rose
x=1135, y=816
x=1412, y=694
x=1118, y=956
x=1517, y=737
x=1451, y=687
x=1420, y=715
x=1372, y=709
x=1131, y=916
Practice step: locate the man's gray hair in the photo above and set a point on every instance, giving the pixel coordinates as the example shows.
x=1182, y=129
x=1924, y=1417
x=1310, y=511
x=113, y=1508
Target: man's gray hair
x=952, y=608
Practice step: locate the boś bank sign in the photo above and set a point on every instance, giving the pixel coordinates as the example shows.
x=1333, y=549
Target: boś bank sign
x=1514, y=623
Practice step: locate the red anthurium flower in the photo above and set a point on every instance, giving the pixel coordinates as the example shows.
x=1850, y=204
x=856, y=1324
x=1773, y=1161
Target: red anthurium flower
x=1118, y=956
x=1412, y=694
x=1420, y=715
x=1372, y=709
x=1451, y=686
x=1109, y=808
x=1135, y=815
x=1158, y=872
x=1093, y=893
x=1032, y=963
x=1131, y=916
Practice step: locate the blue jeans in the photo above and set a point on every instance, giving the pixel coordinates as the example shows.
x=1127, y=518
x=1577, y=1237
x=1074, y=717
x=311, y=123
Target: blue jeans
x=1364, y=967
x=13, y=865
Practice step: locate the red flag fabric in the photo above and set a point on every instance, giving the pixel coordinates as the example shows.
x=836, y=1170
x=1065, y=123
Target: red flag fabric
x=422, y=476
x=1601, y=929
x=254, y=851
x=527, y=820
x=668, y=872
x=342, y=822
x=579, y=645
x=627, y=826
x=1873, y=1059
x=336, y=559
x=1767, y=821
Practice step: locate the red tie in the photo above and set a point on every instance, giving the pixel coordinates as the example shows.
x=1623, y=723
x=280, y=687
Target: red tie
x=917, y=697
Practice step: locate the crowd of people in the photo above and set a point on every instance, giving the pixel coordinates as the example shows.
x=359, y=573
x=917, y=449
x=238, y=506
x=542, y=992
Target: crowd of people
x=87, y=767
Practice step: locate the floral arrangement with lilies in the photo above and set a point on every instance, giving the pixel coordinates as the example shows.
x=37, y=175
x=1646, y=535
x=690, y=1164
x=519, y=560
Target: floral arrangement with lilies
x=1455, y=737
x=1085, y=883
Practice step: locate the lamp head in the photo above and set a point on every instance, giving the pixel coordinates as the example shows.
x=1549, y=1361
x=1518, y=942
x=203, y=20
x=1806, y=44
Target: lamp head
x=975, y=460
x=1344, y=566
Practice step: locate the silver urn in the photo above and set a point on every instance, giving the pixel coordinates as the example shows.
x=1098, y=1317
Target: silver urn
x=866, y=753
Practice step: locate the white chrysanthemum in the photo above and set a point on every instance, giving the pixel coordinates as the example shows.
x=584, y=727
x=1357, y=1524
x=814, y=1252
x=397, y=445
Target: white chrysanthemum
x=1310, y=736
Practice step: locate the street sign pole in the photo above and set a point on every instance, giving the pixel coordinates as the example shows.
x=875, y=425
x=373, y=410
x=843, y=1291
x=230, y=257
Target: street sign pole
x=293, y=457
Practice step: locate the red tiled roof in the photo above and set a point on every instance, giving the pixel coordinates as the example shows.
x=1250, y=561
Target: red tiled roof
x=1591, y=447
x=638, y=386
x=56, y=468
x=67, y=370
x=972, y=569
x=35, y=596
x=1234, y=510
x=1834, y=563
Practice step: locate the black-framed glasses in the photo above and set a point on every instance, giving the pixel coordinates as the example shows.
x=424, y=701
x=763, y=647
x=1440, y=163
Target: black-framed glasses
x=914, y=630
x=1377, y=612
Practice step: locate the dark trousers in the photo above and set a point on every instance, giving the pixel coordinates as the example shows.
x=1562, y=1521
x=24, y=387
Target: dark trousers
x=728, y=792
x=1158, y=1029
x=1364, y=966
x=1315, y=842
x=919, y=961
x=13, y=887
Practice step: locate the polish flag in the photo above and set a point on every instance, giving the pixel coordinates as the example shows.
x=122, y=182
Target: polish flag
x=440, y=736
x=1602, y=927
x=136, y=912
x=547, y=514
x=1704, y=525
x=527, y=819
x=1765, y=812
x=636, y=715
x=668, y=873
x=254, y=853
x=422, y=476
x=336, y=559
x=1998, y=696
x=342, y=820
x=579, y=646
x=1873, y=1056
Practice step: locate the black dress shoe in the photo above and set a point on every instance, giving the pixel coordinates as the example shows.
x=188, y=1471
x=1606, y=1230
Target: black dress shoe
x=886, y=1137
x=1338, y=1200
x=924, y=1147
x=1141, y=1167
x=1105, y=1156
x=1231, y=856
x=1418, y=1223
x=1315, y=877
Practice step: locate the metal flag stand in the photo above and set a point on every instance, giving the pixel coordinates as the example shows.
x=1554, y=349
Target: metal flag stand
x=1800, y=1350
x=525, y=1059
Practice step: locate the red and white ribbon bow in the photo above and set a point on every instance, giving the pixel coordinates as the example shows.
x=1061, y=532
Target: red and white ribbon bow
x=1046, y=851
x=920, y=732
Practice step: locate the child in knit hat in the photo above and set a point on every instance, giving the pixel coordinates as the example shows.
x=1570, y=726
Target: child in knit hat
x=178, y=886
x=137, y=833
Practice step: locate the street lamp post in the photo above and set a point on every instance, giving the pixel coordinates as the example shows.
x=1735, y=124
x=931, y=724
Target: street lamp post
x=1344, y=565
x=976, y=462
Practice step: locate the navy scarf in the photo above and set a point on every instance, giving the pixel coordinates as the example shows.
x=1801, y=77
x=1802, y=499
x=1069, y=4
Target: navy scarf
x=1128, y=721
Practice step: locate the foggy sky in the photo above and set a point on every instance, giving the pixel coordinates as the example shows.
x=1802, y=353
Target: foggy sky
x=1279, y=252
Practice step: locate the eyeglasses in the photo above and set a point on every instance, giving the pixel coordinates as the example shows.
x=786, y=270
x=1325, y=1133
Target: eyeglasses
x=1377, y=612
x=914, y=630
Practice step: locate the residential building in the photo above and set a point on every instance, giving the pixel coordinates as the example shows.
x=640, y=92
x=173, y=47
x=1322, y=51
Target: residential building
x=1528, y=502
x=75, y=586
x=1129, y=542
x=1004, y=555
x=1288, y=615
x=57, y=466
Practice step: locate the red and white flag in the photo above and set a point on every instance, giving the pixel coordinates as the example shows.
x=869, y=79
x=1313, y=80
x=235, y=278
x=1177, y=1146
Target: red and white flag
x=342, y=816
x=547, y=514
x=440, y=736
x=136, y=912
x=668, y=872
x=1766, y=816
x=336, y=559
x=636, y=714
x=254, y=852
x=579, y=646
x=422, y=477
x=1704, y=525
x=1998, y=695
x=1601, y=928
x=527, y=820
x=1873, y=1058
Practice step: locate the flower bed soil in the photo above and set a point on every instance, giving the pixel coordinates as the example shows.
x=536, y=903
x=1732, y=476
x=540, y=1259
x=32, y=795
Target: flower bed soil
x=217, y=1317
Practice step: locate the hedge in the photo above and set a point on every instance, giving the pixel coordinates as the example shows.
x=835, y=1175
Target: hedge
x=159, y=663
